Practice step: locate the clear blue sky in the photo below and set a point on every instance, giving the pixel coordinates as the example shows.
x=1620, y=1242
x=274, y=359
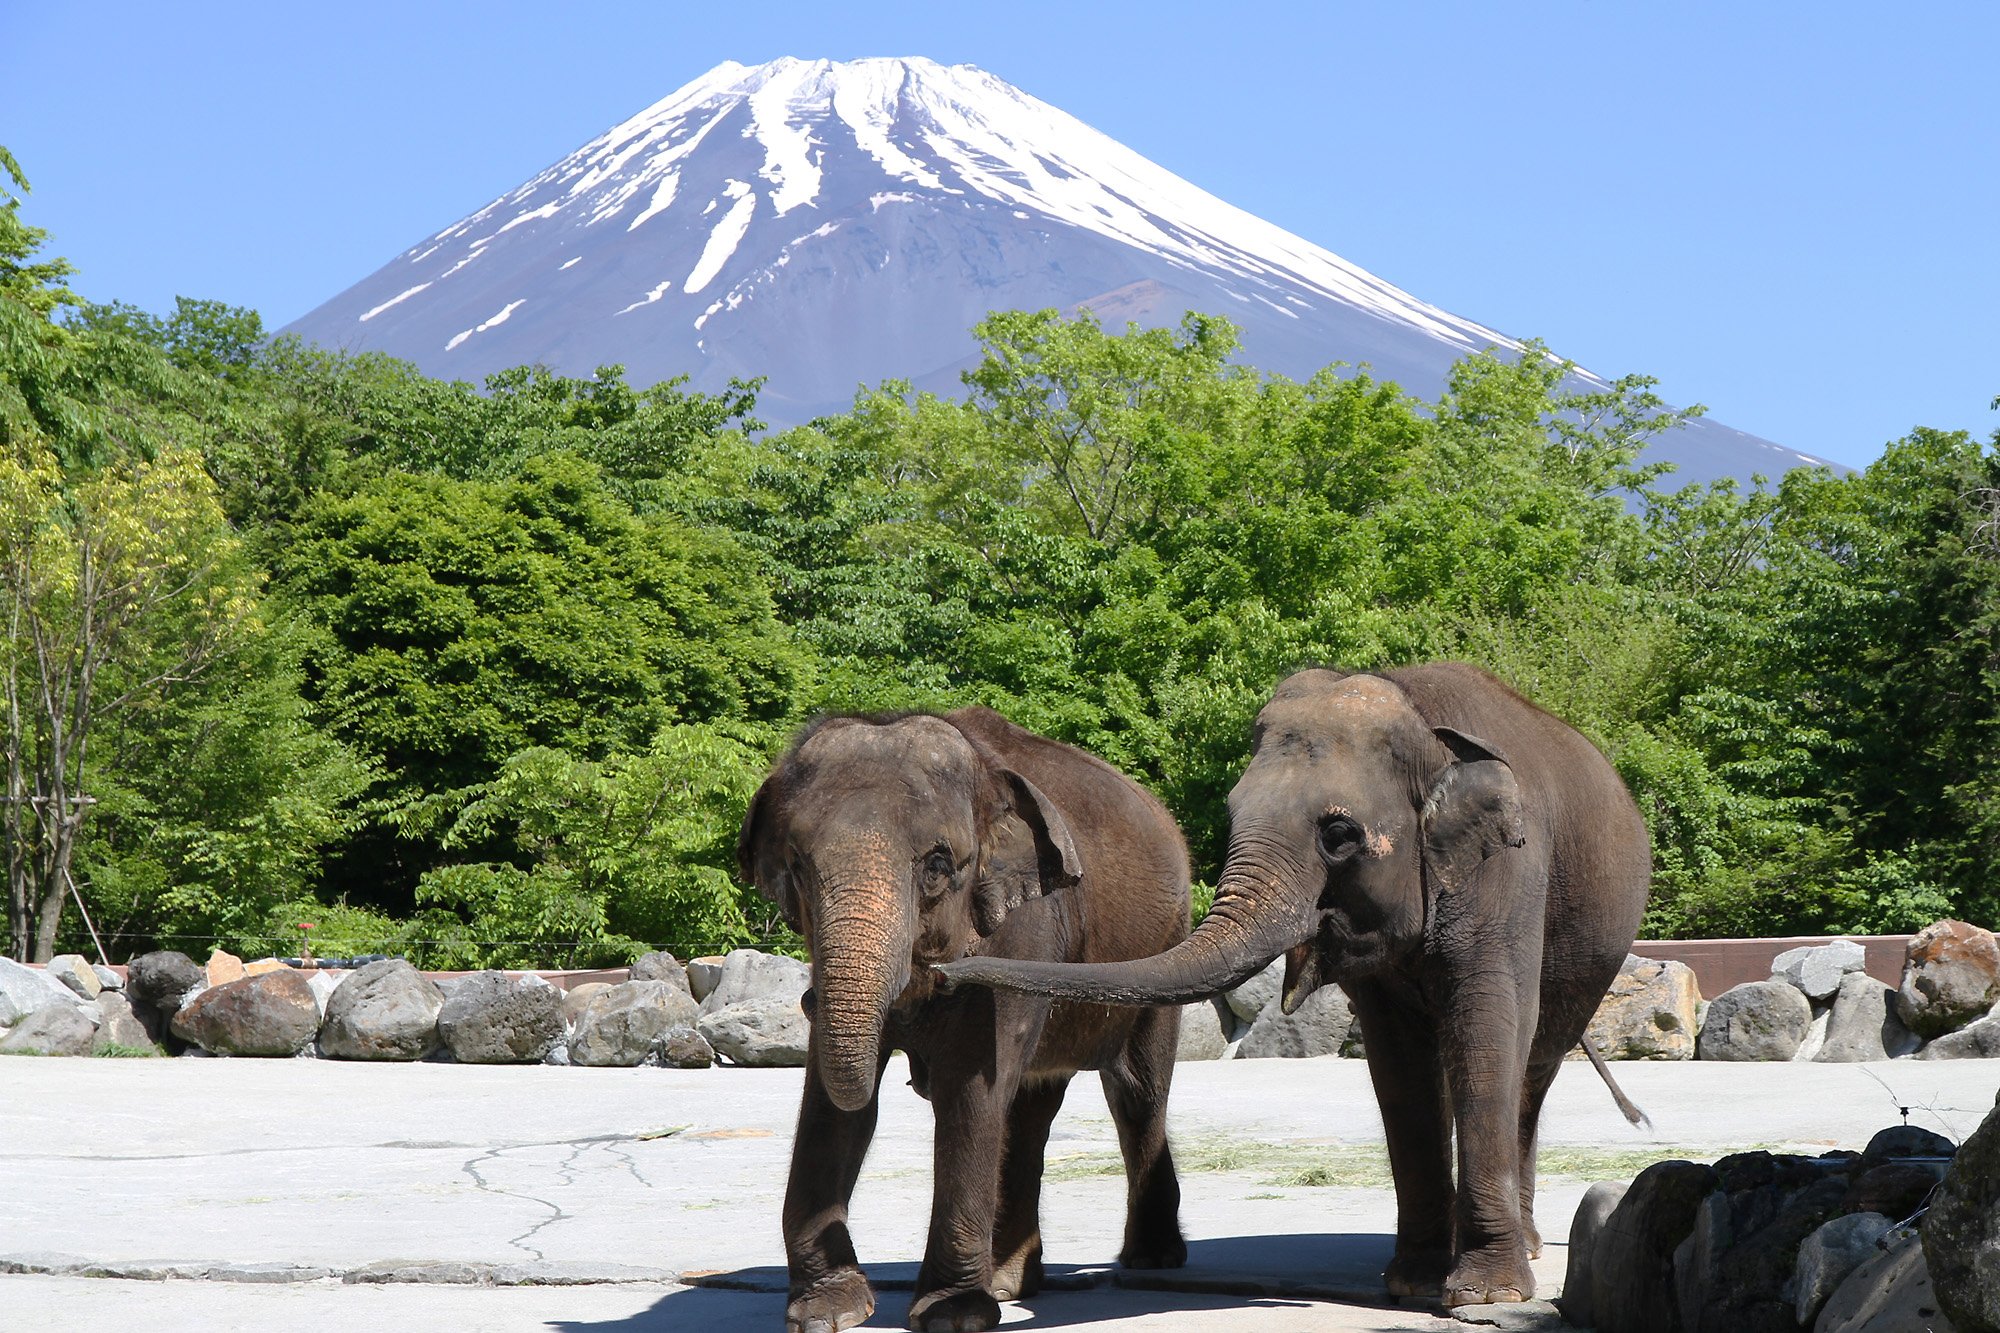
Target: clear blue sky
x=1788, y=212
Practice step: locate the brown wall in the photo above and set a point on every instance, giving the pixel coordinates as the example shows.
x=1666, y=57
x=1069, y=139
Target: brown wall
x=1720, y=964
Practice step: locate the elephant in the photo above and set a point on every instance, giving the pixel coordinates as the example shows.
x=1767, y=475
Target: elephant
x=895, y=842
x=1471, y=871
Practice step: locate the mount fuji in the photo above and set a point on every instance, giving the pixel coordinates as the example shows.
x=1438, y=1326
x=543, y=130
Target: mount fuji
x=832, y=224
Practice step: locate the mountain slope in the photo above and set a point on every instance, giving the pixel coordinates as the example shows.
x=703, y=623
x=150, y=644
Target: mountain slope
x=829, y=225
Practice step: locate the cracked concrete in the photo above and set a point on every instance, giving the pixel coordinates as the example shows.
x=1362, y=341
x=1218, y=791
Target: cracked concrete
x=227, y=1192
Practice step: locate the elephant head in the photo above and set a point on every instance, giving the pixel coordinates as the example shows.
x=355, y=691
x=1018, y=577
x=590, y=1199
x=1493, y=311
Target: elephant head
x=1353, y=818
x=893, y=844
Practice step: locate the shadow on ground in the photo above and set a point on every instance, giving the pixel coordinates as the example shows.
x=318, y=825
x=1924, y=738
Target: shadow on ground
x=1264, y=1272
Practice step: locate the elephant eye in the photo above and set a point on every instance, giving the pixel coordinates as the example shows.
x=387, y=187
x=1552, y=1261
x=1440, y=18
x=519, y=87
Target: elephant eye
x=938, y=866
x=1339, y=835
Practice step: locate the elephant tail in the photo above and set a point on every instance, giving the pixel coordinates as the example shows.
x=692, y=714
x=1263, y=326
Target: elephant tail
x=1632, y=1112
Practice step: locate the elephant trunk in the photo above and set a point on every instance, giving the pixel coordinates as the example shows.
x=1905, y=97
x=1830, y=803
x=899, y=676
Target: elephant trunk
x=1254, y=919
x=861, y=962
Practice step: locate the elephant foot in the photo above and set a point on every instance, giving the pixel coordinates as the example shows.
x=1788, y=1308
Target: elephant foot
x=1167, y=1251
x=837, y=1301
x=1417, y=1274
x=1019, y=1275
x=954, y=1312
x=1531, y=1238
x=1488, y=1278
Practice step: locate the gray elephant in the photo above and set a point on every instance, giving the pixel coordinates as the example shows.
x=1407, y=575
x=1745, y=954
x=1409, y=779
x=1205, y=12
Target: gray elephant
x=1471, y=871
x=893, y=843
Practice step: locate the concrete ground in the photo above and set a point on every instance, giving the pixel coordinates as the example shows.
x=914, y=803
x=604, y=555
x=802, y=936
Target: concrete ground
x=203, y=1194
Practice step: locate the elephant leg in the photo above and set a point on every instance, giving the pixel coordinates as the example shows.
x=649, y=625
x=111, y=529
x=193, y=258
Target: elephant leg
x=828, y=1290
x=1406, y=1067
x=976, y=1073
x=1486, y=1064
x=1017, y=1233
x=1541, y=1075
x=1135, y=1086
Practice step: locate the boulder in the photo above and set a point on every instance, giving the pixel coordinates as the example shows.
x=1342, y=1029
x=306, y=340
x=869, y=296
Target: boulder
x=1890, y=1292
x=491, y=1018
x=578, y=997
x=1862, y=1024
x=1249, y=1000
x=161, y=980
x=324, y=982
x=702, y=974
x=28, y=990
x=1817, y=969
x=223, y=968
x=1632, y=1257
x=263, y=965
x=1951, y=975
x=385, y=1011
x=752, y=975
x=56, y=1030
x=1815, y=1038
x=661, y=966
x=622, y=1025
x=1979, y=1040
x=1758, y=1020
x=1961, y=1232
x=1591, y=1213
x=1893, y=1189
x=72, y=971
x=1323, y=1025
x=1648, y=1013
x=269, y=1015
x=1206, y=1026
x=1903, y=1141
x=118, y=1026
x=106, y=978
x=1827, y=1257
x=683, y=1048
x=1740, y=1257
x=763, y=1033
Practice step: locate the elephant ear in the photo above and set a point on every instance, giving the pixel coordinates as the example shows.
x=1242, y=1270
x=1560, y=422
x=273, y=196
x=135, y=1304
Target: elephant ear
x=1026, y=851
x=1473, y=811
x=757, y=859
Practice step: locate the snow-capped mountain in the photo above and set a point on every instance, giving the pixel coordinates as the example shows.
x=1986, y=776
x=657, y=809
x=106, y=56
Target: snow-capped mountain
x=832, y=224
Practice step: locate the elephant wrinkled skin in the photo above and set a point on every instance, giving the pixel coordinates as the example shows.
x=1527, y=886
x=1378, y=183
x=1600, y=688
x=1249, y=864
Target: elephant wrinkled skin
x=1472, y=872
x=896, y=843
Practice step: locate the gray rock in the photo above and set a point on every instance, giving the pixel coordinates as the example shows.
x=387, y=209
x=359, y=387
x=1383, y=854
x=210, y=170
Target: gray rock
x=766, y=1032
x=1974, y=1041
x=1901, y=1141
x=702, y=974
x=752, y=975
x=622, y=1024
x=661, y=966
x=118, y=1026
x=27, y=990
x=1323, y=1025
x=385, y=1011
x=1862, y=1024
x=1596, y=1206
x=578, y=997
x=72, y=971
x=1818, y=969
x=1249, y=1001
x=1828, y=1255
x=1206, y=1027
x=1758, y=1020
x=56, y=1030
x=161, y=981
x=558, y=1054
x=269, y=1014
x=1815, y=1039
x=324, y=983
x=107, y=979
x=1649, y=1012
x=1889, y=1292
x=682, y=1048
x=1632, y=1259
x=491, y=1018
x=1961, y=1231
x=1951, y=976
